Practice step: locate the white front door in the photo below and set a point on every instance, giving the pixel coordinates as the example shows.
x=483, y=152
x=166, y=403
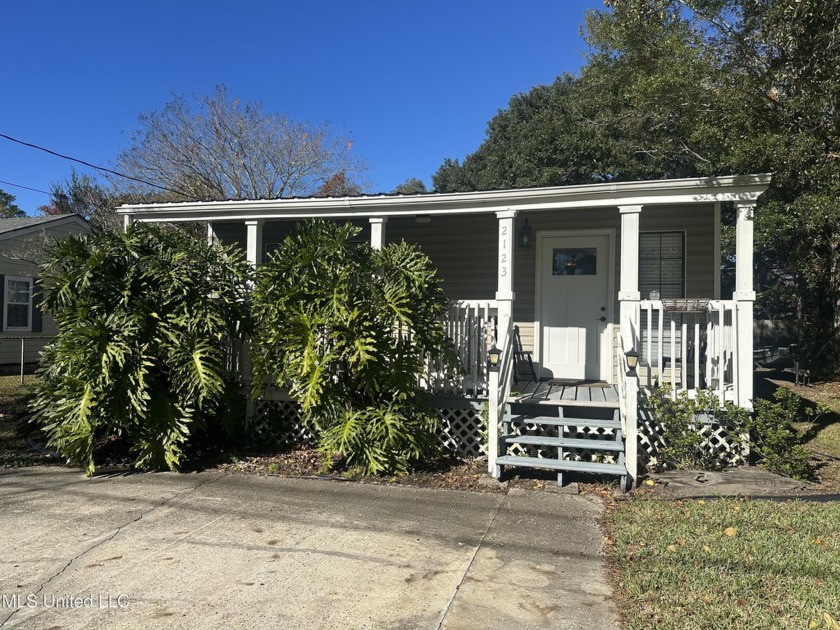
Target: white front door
x=574, y=284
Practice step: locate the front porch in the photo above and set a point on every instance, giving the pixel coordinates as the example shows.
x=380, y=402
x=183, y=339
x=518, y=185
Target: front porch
x=568, y=393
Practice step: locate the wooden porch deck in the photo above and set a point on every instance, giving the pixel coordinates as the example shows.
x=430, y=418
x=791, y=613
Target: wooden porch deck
x=567, y=393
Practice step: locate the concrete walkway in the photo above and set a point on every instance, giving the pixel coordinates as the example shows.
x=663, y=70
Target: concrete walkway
x=222, y=551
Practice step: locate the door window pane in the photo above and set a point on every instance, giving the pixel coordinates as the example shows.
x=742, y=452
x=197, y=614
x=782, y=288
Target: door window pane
x=574, y=262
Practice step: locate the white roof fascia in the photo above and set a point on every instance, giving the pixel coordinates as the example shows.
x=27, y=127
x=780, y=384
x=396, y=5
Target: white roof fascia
x=46, y=226
x=661, y=192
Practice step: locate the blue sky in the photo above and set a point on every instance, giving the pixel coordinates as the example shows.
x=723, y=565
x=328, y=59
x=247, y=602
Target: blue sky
x=413, y=82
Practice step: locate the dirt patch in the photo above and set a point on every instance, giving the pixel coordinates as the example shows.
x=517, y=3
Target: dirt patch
x=821, y=437
x=443, y=472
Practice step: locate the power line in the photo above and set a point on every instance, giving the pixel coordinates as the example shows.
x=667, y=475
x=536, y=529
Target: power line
x=94, y=166
x=25, y=187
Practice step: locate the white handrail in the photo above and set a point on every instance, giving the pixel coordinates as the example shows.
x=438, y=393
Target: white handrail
x=499, y=390
x=629, y=392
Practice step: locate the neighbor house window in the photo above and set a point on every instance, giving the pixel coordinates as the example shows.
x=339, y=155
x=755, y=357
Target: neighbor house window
x=17, y=304
x=662, y=264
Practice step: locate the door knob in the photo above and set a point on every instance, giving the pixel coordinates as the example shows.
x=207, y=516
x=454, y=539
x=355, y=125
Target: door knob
x=601, y=319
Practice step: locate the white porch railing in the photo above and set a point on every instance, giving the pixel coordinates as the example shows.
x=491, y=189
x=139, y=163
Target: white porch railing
x=497, y=396
x=690, y=346
x=628, y=391
x=471, y=326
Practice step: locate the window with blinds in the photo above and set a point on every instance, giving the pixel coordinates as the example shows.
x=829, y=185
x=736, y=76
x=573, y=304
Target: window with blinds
x=661, y=269
x=662, y=264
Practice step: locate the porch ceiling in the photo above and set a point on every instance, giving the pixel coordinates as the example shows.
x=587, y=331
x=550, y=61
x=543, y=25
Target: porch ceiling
x=646, y=193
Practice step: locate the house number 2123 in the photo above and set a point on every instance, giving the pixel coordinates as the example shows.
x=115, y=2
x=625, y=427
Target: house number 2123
x=503, y=253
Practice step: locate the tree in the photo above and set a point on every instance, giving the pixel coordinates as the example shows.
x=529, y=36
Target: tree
x=147, y=322
x=224, y=149
x=411, y=186
x=338, y=186
x=346, y=329
x=681, y=88
x=8, y=208
x=94, y=200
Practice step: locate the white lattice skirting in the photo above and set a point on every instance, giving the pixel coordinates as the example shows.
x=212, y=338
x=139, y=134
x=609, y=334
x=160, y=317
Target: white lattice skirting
x=719, y=439
x=277, y=423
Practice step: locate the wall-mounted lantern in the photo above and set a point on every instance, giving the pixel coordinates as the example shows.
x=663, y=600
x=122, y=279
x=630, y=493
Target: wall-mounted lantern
x=494, y=355
x=525, y=235
x=632, y=361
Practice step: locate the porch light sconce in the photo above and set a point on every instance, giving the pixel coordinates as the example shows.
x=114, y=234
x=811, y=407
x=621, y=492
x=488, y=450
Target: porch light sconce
x=493, y=357
x=525, y=235
x=423, y=218
x=632, y=360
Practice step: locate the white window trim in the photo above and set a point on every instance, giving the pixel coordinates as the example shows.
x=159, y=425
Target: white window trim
x=7, y=328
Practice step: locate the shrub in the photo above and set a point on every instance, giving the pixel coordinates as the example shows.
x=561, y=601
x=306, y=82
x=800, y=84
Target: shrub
x=683, y=444
x=768, y=433
x=346, y=329
x=146, y=322
x=773, y=440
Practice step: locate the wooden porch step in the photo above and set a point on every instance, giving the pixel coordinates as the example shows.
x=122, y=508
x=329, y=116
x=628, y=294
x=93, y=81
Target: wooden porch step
x=575, y=443
x=613, y=423
x=562, y=465
x=558, y=402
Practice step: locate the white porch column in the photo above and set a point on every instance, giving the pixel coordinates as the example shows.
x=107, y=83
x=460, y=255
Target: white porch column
x=628, y=296
x=212, y=239
x=504, y=300
x=254, y=246
x=253, y=253
x=628, y=292
x=504, y=291
x=377, y=231
x=745, y=297
x=128, y=219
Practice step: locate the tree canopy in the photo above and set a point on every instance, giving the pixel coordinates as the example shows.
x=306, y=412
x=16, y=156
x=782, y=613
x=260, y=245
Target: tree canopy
x=8, y=207
x=215, y=148
x=221, y=148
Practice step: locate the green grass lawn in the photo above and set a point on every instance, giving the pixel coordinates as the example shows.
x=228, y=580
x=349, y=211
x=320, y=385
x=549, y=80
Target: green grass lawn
x=727, y=563
x=14, y=450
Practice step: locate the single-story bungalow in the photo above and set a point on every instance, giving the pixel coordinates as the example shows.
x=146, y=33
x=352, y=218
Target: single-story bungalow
x=590, y=292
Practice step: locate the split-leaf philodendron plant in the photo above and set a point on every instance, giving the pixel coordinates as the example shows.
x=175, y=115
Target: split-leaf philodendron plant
x=148, y=323
x=348, y=330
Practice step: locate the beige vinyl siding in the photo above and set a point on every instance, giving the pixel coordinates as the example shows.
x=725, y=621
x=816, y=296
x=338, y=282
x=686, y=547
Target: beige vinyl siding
x=274, y=232
x=465, y=249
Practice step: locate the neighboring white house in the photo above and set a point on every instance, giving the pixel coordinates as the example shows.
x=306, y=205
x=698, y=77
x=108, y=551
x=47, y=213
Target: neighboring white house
x=584, y=274
x=22, y=242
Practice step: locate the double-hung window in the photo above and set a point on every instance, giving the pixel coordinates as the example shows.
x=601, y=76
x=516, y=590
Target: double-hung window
x=662, y=274
x=17, y=304
x=662, y=264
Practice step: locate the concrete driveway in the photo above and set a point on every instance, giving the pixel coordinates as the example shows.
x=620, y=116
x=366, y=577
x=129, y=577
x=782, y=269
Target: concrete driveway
x=210, y=550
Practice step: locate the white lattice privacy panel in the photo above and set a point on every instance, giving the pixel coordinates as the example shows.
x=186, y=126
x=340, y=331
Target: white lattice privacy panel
x=278, y=422
x=720, y=438
x=462, y=430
